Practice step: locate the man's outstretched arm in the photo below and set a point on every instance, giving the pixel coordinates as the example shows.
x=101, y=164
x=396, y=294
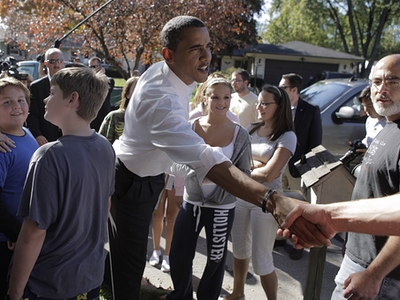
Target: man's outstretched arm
x=379, y=216
x=237, y=183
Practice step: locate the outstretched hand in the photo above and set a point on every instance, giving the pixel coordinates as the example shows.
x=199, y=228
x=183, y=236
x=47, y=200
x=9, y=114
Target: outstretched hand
x=315, y=214
x=302, y=230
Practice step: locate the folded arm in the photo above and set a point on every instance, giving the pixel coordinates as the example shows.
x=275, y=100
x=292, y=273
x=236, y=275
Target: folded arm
x=271, y=170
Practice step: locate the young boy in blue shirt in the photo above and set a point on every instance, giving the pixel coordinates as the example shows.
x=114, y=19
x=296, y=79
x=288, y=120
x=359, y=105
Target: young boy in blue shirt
x=14, y=107
x=60, y=250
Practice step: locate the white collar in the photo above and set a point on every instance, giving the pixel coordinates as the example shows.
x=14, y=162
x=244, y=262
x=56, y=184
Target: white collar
x=176, y=81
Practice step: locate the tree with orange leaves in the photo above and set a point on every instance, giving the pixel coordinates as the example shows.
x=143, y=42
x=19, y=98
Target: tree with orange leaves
x=126, y=30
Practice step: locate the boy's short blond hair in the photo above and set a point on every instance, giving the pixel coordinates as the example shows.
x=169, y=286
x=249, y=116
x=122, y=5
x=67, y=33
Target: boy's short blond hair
x=92, y=89
x=11, y=81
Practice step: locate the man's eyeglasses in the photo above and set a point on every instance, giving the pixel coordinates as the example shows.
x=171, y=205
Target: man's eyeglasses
x=95, y=66
x=236, y=80
x=265, y=104
x=286, y=86
x=53, y=61
x=392, y=84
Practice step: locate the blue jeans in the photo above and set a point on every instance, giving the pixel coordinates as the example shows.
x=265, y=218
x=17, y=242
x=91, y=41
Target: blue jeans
x=390, y=287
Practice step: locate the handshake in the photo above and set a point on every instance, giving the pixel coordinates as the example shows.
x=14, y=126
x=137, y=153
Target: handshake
x=309, y=225
x=299, y=224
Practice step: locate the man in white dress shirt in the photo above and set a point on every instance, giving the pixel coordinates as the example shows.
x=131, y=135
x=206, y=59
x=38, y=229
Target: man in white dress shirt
x=155, y=135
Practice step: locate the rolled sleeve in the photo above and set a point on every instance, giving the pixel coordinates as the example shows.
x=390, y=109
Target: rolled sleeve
x=210, y=157
x=172, y=134
x=157, y=132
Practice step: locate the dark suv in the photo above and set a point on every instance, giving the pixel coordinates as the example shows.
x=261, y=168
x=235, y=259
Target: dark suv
x=328, y=75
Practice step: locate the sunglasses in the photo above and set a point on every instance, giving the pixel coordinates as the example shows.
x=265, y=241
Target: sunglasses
x=53, y=61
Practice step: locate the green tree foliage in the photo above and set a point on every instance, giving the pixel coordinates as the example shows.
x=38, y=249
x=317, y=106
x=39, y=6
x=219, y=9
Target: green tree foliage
x=127, y=30
x=361, y=27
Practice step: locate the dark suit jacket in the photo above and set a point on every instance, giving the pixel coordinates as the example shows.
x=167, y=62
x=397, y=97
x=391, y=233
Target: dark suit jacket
x=105, y=108
x=40, y=89
x=308, y=129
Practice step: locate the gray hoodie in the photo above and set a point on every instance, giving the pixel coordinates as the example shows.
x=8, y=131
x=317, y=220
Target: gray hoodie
x=241, y=158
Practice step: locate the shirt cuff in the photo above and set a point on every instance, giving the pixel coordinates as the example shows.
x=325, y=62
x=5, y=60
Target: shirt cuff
x=210, y=157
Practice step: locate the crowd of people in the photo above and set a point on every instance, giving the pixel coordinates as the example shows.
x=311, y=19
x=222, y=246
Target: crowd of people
x=224, y=166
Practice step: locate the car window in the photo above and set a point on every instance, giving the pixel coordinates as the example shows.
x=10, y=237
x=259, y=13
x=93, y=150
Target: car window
x=322, y=93
x=27, y=70
x=358, y=115
x=356, y=104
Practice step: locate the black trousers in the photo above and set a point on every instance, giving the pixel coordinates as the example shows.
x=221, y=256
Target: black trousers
x=5, y=258
x=188, y=225
x=132, y=207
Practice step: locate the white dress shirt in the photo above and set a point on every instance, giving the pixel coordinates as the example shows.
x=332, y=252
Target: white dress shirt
x=157, y=131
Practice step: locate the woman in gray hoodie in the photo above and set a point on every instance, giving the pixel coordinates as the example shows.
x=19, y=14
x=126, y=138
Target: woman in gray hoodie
x=208, y=205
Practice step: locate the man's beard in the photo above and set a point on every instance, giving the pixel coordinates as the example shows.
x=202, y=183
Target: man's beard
x=239, y=90
x=387, y=111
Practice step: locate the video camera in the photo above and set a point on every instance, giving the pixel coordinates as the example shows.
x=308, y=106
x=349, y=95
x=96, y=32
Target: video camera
x=352, y=153
x=9, y=65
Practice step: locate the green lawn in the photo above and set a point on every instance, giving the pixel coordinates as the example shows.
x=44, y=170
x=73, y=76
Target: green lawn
x=119, y=82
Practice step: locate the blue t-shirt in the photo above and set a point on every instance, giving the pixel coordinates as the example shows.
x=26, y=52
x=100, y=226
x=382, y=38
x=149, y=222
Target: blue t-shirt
x=13, y=168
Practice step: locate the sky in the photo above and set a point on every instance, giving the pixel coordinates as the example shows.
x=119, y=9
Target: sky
x=264, y=12
x=263, y=17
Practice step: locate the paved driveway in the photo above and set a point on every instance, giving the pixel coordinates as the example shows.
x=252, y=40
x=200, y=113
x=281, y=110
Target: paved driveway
x=291, y=273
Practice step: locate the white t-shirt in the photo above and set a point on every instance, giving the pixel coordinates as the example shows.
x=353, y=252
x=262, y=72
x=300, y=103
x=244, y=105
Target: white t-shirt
x=245, y=108
x=262, y=150
x=372, y=127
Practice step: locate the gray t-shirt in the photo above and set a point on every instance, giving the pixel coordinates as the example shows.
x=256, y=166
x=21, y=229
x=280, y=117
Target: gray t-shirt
x=379, y=176
x=66, y=192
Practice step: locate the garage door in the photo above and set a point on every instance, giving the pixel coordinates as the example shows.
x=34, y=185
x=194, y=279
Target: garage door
x=274, y=69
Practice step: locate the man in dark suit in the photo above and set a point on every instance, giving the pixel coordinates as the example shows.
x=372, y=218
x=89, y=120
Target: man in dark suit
x=307, y=126
x=308, y=129
x=96, y=65
x=42, y=130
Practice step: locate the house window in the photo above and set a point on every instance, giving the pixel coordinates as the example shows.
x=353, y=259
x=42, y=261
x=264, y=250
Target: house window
x=243, y=64
x=13, y=50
